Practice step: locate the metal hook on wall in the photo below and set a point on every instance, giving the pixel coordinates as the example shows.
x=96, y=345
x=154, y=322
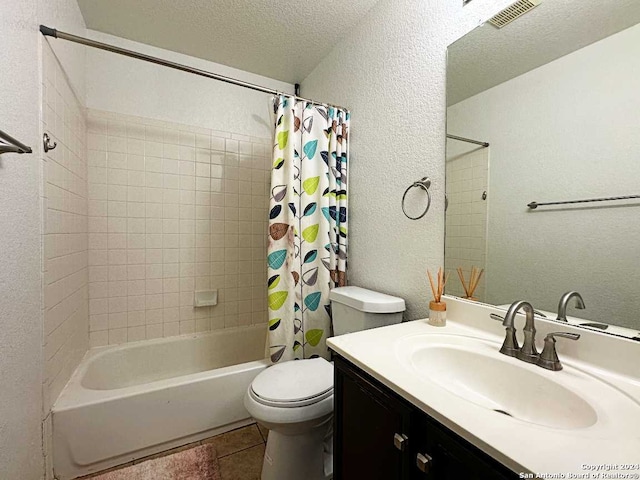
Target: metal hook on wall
x=46, y=143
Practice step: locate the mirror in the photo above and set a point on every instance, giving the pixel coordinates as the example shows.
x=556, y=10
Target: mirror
x=556, y=96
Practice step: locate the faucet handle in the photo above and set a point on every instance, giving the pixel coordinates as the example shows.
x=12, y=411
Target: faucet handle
x=549, y=357
x=570, y=336
x=498, y=318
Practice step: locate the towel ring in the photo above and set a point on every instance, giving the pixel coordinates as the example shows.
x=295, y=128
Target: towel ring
x=424, y=184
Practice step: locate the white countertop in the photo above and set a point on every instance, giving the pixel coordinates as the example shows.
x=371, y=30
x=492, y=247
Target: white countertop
x=519, y=445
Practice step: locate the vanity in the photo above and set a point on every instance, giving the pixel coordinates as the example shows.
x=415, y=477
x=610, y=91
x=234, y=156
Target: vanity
x=413, y=401
x=379, y=434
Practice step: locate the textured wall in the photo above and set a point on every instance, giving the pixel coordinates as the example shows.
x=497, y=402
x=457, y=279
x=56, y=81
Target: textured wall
x=20, y=316
x=21, y=361
x=125, y=85
x=390, y=71
x=566, y=130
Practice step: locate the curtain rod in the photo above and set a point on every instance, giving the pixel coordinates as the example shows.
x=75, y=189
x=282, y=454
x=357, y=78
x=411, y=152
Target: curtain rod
x=12, y=145
x=468, y=140
x=52, y=32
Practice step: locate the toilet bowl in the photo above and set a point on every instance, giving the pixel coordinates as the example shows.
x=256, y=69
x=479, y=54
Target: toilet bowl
x=294, y=399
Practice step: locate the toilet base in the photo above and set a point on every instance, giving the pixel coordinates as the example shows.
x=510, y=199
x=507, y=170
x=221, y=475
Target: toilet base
x=299, y=456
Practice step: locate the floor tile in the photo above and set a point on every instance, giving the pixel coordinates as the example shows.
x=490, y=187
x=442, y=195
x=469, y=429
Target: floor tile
x=167, y=452
x=264, y=431
x=236, y=440
x=244, y=465
x=242, y=451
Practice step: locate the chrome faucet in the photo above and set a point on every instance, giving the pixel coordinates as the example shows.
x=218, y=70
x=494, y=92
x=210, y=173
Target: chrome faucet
x=528, y=353
x=548, y=359
x=564, y=301
x=510, y=347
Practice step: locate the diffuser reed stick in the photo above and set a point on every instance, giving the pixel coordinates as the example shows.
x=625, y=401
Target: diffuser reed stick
x=437, y=308
x=474, y=280
x=442, y=281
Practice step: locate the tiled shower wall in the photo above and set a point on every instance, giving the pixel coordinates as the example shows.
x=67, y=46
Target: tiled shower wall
x=466, y=218
x=64, y=206
x=174, y=209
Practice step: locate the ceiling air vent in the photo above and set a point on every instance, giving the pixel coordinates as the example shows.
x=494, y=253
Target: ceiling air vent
x=513, y=12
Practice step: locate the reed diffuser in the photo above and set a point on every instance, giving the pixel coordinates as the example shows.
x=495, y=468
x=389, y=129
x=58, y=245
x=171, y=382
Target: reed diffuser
x=437, y=308
x=474, y=280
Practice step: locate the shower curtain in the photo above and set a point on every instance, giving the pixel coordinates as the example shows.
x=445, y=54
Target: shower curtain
x=307, y=251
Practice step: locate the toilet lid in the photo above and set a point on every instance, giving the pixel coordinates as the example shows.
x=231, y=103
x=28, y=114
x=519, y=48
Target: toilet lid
x=295, y=382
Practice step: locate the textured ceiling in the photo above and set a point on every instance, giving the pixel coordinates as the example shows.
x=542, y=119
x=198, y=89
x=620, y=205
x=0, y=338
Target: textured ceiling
x=281, y=39
x=487, y=56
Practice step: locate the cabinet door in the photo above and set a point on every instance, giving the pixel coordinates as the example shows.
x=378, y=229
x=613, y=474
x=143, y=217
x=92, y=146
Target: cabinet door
x=367, y=420
x=449, y=456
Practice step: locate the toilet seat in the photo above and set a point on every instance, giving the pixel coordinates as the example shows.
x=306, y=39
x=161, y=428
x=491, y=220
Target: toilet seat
x=297, y=383
x=299, y=403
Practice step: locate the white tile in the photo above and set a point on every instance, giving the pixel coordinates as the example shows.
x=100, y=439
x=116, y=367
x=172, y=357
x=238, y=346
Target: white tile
x=231, y=146
x=117, y=320
x=99, y=339
x=171, y=329
x=117, y=336
x=153, y=149
x=96, y=142
x=154, y=331
x=164, y=199
x=135, y=334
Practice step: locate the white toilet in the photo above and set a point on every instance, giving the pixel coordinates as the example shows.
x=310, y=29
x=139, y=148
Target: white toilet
x=294, y=400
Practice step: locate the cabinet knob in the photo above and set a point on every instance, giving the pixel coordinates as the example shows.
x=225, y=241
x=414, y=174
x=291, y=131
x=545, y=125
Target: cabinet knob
x=400, y=441
x=424, y=461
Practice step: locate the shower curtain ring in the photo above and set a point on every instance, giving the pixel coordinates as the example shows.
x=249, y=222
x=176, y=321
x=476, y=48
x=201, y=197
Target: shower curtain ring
x=424, y=184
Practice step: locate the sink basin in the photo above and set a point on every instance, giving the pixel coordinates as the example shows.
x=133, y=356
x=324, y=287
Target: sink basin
x=473, y=369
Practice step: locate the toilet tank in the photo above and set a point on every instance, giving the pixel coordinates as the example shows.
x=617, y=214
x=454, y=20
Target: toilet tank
x=354, y=309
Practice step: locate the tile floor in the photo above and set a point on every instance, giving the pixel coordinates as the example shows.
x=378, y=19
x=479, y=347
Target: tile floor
x=240, y=453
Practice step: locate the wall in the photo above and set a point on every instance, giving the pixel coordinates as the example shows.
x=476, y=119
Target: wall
x=466, y=220
x=66, y=301
x=178, y=185
x=567, y=130
x=120, y=84
x=390, y=71
x=21, y=336
x=174, y=209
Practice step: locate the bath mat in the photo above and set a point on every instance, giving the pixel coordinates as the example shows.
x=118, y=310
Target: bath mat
x=198, y=463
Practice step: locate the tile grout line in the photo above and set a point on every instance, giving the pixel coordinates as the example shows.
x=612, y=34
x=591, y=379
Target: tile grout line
x=242, y=450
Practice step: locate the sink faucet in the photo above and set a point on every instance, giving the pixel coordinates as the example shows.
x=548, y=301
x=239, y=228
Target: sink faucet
x=548, y=359
x=564, y=301
x=528, y=353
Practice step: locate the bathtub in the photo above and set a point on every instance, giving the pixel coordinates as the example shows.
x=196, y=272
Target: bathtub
x=129, y=401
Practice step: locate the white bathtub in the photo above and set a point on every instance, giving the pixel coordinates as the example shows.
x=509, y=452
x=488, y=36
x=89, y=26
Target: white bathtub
x=128, y=401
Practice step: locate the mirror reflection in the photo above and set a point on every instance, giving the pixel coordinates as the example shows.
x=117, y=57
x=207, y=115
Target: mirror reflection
x=554, y=111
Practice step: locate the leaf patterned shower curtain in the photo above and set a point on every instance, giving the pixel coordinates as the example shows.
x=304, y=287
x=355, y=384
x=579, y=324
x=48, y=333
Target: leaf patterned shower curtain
x=307, y=252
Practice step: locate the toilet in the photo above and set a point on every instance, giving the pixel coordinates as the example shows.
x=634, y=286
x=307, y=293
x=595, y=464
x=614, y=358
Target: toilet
x=294, y=399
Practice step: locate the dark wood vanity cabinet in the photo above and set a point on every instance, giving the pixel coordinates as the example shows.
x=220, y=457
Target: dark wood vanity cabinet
x=379, y=435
